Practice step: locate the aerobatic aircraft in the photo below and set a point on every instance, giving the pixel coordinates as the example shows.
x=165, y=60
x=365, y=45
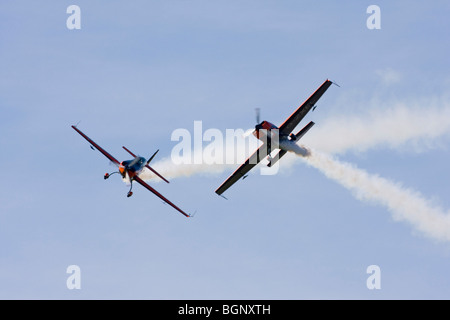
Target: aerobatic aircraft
x=131, y=169
x=274, y=137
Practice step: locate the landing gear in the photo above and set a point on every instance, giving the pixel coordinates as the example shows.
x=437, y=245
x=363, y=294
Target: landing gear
x=107, y=175
x=129, y=194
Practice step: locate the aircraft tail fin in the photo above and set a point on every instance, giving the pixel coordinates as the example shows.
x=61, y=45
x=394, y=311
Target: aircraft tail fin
x=151, y=158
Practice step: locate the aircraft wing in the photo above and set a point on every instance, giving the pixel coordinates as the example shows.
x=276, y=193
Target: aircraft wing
x=289, y=125
x=252, y=161
x=144, y=184
x=110, y=157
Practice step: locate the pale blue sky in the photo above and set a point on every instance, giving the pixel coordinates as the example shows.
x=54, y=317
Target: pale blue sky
x=136, y=72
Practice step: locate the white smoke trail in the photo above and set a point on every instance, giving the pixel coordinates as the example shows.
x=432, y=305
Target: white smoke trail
x=419, y=123
x=169, y=170
x=404, y=204
x=293, y=147
x=392, y=128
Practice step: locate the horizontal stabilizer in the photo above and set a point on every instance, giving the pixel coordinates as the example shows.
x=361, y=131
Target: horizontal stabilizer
x=302, y=132
x=296, y=137
x=154, y=171
x=132, y=154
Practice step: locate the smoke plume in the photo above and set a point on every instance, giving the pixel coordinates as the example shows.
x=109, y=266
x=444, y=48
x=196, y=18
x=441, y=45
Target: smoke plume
x=404, y=204
x=418, y=124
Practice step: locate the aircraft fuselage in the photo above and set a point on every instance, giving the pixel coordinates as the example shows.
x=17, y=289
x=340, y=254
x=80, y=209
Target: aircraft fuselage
x=267, y=132
x=132, y=167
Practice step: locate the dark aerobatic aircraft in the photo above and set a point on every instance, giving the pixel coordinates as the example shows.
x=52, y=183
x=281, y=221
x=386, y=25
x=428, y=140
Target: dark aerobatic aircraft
x=132, y=169
x=268, y=133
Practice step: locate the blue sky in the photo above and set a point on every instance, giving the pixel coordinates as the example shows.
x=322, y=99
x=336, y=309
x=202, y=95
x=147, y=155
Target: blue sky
x=136, y=72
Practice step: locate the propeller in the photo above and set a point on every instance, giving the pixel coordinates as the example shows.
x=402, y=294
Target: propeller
x=257, y=126
x=258, y=114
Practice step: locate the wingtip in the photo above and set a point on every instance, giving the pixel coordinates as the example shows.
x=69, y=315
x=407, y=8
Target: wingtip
x=222, y=196
x=191, y=215
x=333, y=82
